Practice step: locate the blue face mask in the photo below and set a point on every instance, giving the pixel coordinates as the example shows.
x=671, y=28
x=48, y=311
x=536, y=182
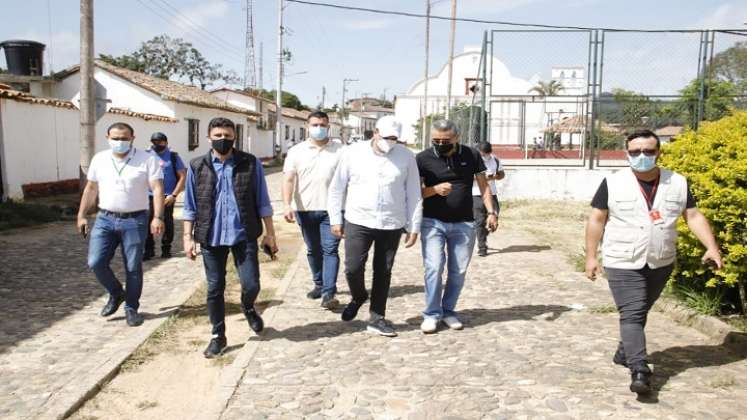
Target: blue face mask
x=119, y=146
x=318, y=132
x=642, y=163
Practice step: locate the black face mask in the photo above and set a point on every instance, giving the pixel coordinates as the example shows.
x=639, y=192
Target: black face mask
x=443, y=149
x=159, y=148
x=222, y=146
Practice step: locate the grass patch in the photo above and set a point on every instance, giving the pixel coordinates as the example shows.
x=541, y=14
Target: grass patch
x=723, y=381
x=603, y=309
x=144, y=405
x=738, y=322
x=706, y=302
x=15, y=214
x=158, y=342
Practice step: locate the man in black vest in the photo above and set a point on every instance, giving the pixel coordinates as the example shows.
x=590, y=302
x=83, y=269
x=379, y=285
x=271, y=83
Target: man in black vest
x=225, y=199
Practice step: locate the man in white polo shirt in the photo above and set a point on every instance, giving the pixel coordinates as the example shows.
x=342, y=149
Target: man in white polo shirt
x=120, y=177
x=378, y=184
x=308, y=170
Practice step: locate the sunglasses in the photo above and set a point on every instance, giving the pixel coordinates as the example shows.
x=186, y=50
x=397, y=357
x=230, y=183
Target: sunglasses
x=647, y=152
x=440, y=141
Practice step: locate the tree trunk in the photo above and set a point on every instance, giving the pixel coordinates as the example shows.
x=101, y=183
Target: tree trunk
x=743, y=295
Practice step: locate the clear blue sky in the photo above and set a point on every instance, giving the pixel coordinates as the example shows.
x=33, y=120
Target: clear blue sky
x=386, y=52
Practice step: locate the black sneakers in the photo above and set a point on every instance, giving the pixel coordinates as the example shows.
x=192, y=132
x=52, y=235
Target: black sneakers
x=113, y=304
x=382, y=327
x=255, y=321
x=351, y=310
x=166, y=253
x=329, y=301
x=314, y=293
x=134, y=319
x=640, y=379
x=216, y=347
x=148, y=255
x=482, y=253
x=619, y=357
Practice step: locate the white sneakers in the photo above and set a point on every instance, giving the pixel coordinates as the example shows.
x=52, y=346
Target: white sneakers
x=453, y=322
x=430, y=325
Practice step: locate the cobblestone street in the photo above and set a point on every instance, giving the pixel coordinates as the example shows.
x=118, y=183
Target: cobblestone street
x=538, y=343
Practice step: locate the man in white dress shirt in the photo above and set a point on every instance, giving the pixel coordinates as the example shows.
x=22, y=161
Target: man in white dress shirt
x=377, y=184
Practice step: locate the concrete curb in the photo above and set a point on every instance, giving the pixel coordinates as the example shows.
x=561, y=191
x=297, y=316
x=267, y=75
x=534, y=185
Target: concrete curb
x=234, y=373
x=71, y=397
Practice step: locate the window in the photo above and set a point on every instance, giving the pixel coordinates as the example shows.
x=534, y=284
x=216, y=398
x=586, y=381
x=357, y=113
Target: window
x=240, y=136
x=303, y=133
x=294, y=135
x=193, y=134
x=287, y=132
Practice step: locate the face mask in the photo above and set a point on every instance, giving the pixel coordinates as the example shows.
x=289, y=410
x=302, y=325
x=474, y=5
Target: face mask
x=119, y=146
x=642, y=163
x=443, y=149
x=159, y=148
x=318, y=132
x=385, y=145
x=486, y=159
x=222, y=146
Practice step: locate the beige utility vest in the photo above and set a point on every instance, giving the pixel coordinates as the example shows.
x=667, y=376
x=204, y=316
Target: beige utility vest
x=631, y=239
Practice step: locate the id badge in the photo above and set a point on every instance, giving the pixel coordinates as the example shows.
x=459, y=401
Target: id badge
x=119, y=185
x=655, y=216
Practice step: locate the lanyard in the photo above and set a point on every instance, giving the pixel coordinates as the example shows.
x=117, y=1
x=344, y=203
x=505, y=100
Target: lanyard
x=650, y=197
x=119, y=170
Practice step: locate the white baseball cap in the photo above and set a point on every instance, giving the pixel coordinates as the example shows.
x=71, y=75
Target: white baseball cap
x=388, y=126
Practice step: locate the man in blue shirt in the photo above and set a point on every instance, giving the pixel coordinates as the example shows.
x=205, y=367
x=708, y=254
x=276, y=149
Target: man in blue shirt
x=225, y=205
x=174, y=175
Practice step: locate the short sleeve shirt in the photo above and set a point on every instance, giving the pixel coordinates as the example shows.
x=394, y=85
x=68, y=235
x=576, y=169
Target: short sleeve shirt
x=314, y=167
x=459, y=169
x=169, y=173
x=493, y=166
x=124, y=183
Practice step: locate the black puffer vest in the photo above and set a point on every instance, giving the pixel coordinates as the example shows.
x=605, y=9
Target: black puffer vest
x=244, y=189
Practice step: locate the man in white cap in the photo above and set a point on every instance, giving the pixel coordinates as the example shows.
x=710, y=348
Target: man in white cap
x=377, y=184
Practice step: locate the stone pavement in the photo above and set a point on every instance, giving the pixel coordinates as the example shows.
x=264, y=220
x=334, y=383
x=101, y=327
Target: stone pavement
x=54, y=347
x=537, y=343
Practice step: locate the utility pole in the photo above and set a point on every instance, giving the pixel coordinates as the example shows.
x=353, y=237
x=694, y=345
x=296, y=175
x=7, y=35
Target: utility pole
x=250, y=67
x=425, y=78
x=324, y=96
x=279, y=92
x=261, y=60
x=451, y=56
x=342, y=106
x=87, y=118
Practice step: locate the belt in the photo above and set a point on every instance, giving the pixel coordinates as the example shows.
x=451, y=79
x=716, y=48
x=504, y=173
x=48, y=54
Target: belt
x=123, y=215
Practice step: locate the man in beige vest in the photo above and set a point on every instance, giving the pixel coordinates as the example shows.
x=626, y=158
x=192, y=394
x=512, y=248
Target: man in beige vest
x=636, y=210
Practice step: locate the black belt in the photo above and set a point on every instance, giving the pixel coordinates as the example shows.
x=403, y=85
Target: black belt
x=123, y=215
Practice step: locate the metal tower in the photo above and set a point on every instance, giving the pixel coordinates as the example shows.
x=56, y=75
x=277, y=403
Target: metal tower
x=250, y=69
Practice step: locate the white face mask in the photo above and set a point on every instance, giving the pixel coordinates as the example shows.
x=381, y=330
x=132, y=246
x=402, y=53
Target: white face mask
x=385, y=145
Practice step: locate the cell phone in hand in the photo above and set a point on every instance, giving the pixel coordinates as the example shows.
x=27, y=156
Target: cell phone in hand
x=268, y=250
x=84, y=231
x=711, y=264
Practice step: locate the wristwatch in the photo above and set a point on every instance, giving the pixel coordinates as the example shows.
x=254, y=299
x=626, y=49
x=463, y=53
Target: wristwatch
x=492, y=213
x=155, y=216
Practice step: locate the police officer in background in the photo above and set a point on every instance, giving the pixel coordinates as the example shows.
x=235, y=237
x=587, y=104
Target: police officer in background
x=635, y=212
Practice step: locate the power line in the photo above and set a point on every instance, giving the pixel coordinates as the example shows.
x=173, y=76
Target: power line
x=498, y=22
x=196, y=25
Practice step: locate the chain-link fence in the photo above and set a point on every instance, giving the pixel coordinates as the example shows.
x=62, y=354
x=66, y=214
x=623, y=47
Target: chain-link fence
x=570, y=97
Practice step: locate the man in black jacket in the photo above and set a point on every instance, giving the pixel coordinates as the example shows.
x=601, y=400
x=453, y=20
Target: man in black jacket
x=225, y=199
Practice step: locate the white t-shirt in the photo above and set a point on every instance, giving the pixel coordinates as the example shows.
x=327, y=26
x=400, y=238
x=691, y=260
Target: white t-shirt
x=124, y=183
x=314, y=167
x=494, y=166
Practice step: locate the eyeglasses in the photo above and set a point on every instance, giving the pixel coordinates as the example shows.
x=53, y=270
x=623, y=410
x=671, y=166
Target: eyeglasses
x=647, y=152
x=441, y=141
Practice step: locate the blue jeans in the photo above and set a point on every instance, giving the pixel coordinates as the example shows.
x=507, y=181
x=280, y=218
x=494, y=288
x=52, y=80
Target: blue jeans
x=247, y=266
x=321, y=249
x=109, y=232
x=458, y=239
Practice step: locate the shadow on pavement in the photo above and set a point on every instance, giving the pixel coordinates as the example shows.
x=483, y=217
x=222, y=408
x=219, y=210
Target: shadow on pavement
x=522, y=248
x=673, y=361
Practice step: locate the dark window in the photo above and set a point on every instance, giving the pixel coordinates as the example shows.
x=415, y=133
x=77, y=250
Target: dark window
x=287, y=132
x=303, y=133
x=193, y=135
x=294, y=135
x=240, y=136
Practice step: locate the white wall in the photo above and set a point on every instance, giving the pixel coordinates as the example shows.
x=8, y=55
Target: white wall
x=551, y=183
x=41, y=142
x=260, y=142
x=236, y=99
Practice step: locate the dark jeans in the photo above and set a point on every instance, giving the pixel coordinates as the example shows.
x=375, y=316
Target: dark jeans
x=358, y=241
x=635, y=292
x=168, y=232
x=107, y=234
x=247, y=266
x=481, y=216
x=321, y=249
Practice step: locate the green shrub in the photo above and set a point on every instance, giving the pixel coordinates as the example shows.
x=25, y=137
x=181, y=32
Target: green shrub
x=714, y=160
x=15, y=214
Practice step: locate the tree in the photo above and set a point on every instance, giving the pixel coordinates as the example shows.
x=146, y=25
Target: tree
x=544, y=89
x=287, y=99
x=719, y=99
x=731, y=65
x=172, y=58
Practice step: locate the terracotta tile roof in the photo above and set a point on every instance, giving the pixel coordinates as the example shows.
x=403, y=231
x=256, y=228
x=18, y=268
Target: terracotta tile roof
x=19, y=96
x=290, y=112
x=166, y=89
x=25, y=97
x=669, y=130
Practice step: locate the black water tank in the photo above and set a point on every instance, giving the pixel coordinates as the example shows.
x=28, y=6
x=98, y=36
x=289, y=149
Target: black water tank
x=24, y=58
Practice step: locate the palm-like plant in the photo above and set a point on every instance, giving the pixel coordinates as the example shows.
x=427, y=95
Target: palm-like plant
x=551, y=88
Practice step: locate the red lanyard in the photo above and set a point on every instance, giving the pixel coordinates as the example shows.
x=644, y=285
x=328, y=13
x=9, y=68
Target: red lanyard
x=650, y=198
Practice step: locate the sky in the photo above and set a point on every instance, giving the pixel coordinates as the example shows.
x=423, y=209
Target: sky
x=386, y=53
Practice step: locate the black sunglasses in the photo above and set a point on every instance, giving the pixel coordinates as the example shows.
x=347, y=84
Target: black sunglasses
x=647, y=152
x=440, y=141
